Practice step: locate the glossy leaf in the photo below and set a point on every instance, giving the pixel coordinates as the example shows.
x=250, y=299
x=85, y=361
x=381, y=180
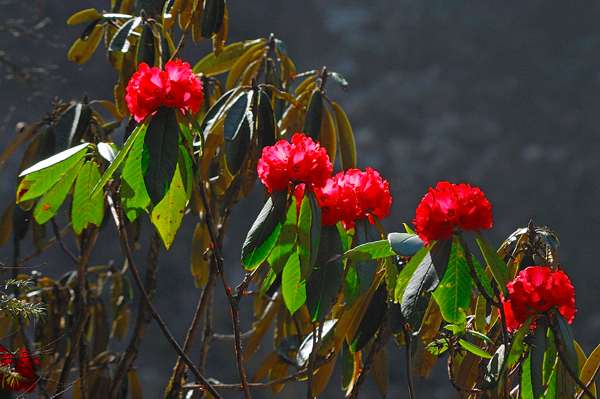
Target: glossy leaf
x=212, y=17
x=309, y=232
x=213, y=64
x=83, y=16
x=84, y=47
x=565, y=337
x=474, y=349
x=120, y=41
x=87, y=210
x=371, y=321
x=325, y=280
x=146, y=46
x=264, y=232
x=266, y=121
x=71, y=124
x=370, y=251
x=73, y=154
x=495, y=263
x=134, y=196
x=590, y=368
x=306, y=347
x=51, y=201
x=537, y=350
x=453, y=294
x=293, y=287
x=405, y=244
x=407, y=271
x=314, y=116
x=162, y=151
x=286, y=243
x=495, y=366
x=346, y=142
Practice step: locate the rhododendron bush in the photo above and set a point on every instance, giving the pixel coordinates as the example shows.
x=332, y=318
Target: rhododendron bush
x=190, y=139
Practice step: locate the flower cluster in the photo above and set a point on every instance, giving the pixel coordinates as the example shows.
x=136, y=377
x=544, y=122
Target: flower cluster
x=18, y=370
x=348, y=196
x=176, y=87
x=354, y=195
x=450, y=206
x=536, y=290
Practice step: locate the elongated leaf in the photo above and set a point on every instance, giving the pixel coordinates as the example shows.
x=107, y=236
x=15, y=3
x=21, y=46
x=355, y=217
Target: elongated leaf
x=114, y=165
x=74, y=153
x=71, y=124
x=167, y=214
x=50, y=202
x=84, y=47
x=309, y=232
x=161, y=146
x=266, y=121
x=453, y=294
x=346, y=141
x=286, y=242
x=146, y=46
x=370, y=251
x=405, y=244
x=494, y=368
x=107, y=151
x=495, y=263
x=42, y=176
x=213, y=64
x=120, y=41
x=380, y=372
x=590, y=368
x=407, y=271
x=538, y=348
x=517, y=348
x=306, y=347
x=525, y=388
x=200, y=261
x=237, y=131
x=371, y=320
x=474, y=349
x=212, y=17
x=314, y=116
x=425, y=277
x=293, y=287
x=566, y=340
x=87, y=210
x=264, y=232
x=325, y=281
x=134, y=196
x=83, y=16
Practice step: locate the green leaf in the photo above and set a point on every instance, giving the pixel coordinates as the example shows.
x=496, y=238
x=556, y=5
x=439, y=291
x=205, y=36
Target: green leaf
x=293, y=287
x=87, y=210
x=213, y=64
x=347, y=144
x=371, y=321
x=407, y=272
x=114, y=165
x=325, y=281
x=370, y=251
x=314, y=116
x=517, y=348
x=474, y=349
x=42, y=176
x=453, y=294
x=494, y=368
x=74, y=153
x=237, y=131
x=525, y=387
x=71, y=125
x=264, y=232
x=134, y=196
x=306, y=347
x=538, y=348
x=167, y=214
x=566, y=339
x=425, y=277
x=49, y=204
x=405, y=244
x=286, y=242
x=212, y=17
x=265, y=120
x=161, y=145
x=146, y=46
x=120, y=41
x=482, y=277
x=495, y=263
x=309, y=232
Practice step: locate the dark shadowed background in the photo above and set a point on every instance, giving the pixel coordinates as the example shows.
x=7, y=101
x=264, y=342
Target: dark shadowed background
x=505, y=95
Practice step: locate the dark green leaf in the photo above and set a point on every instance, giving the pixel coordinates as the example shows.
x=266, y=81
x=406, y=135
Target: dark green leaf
x=405, y=244
x=517, y=348
x=264, y=232
x=238, y=131
x=346, y=142
x=495, y=263
x=287, y=240
x=146, y=46
x=425, y=277
x=71, y=125
x=211, y=116
x=482, y=277
x=306, y=347
x=161, y=146
x=494, y=367
x=309, y=232
x=266, y=120
x=120, y=41
x=538, y=348
x=566, y=340
x=212, y=17
x=453, y=294
x=371, y=321
x=325, y=281
x=87, y=210
x=236, y=113
x=314, y=116
x=407, y=271
x=293, y=287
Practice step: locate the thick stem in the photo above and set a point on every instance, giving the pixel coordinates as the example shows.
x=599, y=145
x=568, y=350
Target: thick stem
x=124, y=241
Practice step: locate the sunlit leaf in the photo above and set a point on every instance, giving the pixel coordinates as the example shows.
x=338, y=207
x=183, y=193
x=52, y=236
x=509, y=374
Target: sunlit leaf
x=495, y=263
x=51, y=201
x=83, y=16
x=405, y=244
x=346, y=141
x=213, y=64
x=309, y=232
x=293, y=287
x=87, y=210
x=120, y=41
x=84, y=47
x=474, y=349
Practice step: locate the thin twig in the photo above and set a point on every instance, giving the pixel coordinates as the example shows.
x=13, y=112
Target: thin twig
x=60, y=241
x=119, y=221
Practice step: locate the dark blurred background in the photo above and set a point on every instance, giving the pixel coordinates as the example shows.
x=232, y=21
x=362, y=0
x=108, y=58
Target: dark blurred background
x=505, y=95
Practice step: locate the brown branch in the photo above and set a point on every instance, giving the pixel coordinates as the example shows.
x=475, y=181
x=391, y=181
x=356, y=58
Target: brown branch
x=142, y=320
x=60, y=241
x=124, y=241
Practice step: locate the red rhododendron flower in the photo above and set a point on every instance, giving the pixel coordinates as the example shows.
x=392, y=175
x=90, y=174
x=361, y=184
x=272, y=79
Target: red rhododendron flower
x=176, y=87
x=18, y=370
x=299, y=161
x=536, y=290
x=353, y=195
x=450, y=206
